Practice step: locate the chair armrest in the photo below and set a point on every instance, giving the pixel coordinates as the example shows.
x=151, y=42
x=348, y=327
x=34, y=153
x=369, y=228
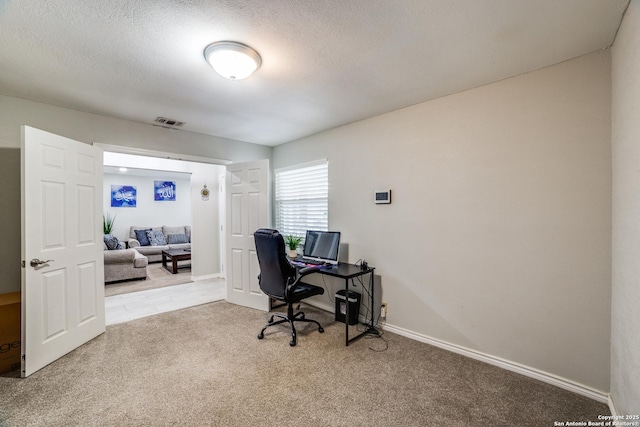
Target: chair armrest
x=133, y=243
x=307, y=270
x=301, y=273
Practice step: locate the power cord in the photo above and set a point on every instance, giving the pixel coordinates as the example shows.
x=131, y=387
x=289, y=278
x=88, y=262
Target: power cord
x=329, y=294
x=384, y=347
x=362, y=264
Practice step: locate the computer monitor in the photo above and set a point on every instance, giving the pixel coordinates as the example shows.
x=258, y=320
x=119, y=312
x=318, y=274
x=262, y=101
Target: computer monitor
x=322, y=246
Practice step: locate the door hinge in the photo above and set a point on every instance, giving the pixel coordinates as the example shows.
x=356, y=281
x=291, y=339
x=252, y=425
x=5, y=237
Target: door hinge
x=23, y=264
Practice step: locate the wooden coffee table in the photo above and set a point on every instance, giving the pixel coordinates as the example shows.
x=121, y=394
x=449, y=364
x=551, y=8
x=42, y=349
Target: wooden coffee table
x=175, y=255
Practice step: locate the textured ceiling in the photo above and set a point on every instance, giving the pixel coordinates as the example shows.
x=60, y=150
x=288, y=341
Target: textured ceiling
x=325, y=62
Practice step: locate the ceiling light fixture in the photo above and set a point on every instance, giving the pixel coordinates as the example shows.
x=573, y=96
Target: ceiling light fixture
x=232, y=60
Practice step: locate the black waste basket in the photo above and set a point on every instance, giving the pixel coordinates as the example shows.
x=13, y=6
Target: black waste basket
x=341, y=306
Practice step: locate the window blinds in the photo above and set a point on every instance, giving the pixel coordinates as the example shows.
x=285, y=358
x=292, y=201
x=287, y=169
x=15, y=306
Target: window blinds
x=302, y=196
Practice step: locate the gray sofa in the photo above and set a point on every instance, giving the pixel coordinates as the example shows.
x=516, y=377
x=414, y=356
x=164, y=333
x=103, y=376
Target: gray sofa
x=124, y=264
x=154, y=252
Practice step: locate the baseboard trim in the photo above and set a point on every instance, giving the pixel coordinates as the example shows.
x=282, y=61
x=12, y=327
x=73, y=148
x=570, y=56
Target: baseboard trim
x=612, y=407
x=205, y=277
x=528, y=371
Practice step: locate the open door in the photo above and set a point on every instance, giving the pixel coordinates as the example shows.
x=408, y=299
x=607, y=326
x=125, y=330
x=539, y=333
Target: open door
x=63, y=264
x=247, y=204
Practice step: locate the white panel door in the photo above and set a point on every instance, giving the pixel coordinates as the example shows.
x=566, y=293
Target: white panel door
x=63, y=264
x=247, y=202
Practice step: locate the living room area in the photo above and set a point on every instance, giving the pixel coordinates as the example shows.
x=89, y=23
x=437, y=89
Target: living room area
x=150, y=208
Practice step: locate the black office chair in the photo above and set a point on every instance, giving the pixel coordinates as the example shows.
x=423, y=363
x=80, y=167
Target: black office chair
x=281, y=280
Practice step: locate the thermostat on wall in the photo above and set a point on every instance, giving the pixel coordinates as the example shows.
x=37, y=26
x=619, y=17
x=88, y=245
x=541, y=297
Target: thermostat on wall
x=382, y=196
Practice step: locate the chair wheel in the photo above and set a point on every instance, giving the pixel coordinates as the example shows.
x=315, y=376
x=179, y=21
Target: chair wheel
x=292, y=343
x=320, y=329
x=260, y=335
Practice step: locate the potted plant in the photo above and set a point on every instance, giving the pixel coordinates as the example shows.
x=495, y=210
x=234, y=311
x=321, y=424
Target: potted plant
x=107, y=223
x=292, y=243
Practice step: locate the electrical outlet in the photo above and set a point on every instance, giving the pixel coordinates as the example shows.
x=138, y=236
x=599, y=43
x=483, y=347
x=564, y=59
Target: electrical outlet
x=383, y=310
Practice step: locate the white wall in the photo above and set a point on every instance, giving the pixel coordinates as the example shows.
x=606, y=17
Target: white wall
x=148, y=212
x=205, y=214
x=498, y=237
x=625, y=328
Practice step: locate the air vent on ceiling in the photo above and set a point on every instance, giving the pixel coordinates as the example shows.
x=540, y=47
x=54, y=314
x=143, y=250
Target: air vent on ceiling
x=169, y=122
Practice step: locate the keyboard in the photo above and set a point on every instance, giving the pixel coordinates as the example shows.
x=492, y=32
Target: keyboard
x=301, y=263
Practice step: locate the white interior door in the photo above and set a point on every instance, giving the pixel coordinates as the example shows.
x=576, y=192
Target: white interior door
x=247, y=202
x=63, y=274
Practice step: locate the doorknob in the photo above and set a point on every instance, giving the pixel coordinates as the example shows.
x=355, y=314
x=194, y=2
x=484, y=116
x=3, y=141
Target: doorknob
x=36, y=262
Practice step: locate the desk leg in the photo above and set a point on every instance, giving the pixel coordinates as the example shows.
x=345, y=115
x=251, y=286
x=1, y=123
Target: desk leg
x=371, y=327
x=346, y=312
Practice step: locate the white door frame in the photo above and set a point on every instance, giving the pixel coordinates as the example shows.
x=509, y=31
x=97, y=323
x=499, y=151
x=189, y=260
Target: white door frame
x=152, y=153
x=114, y=149
x=222, y=215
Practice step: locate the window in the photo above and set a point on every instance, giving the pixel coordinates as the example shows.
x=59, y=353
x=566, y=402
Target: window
x=302, y=198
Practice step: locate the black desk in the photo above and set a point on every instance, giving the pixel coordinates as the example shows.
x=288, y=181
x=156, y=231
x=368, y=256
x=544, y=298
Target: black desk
x=348, y=272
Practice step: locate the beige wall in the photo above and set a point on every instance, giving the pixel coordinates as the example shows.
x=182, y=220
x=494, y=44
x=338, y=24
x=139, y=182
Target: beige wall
x=9, y=217
x=498, y=237
x=89, y=128
x=625, y=328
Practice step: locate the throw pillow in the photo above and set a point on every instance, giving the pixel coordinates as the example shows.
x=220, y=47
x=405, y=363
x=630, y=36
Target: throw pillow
x=156, y=238
x=141, y=236
x=111, y=242
x=174, y=239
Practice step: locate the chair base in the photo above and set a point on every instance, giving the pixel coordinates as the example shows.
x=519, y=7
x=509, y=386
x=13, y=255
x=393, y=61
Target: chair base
x=291, y=318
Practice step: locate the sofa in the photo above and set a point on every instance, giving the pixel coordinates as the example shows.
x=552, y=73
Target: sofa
x=124, y=264
x=166, y=238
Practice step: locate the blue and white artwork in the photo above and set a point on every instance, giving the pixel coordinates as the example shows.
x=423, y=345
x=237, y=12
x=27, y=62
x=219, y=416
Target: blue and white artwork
x=123, y=196
x=164, y=191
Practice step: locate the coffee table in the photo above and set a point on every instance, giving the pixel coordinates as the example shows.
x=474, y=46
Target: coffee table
x=175, y=255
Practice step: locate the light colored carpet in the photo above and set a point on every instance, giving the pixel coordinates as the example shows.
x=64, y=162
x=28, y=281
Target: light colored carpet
x=157, y=277
x=204, y=366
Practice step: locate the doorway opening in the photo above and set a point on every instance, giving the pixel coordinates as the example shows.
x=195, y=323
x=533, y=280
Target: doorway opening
x=169, y=198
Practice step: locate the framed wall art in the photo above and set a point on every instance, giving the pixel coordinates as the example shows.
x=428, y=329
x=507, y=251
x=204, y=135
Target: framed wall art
x=164, y=191
x=123, y=196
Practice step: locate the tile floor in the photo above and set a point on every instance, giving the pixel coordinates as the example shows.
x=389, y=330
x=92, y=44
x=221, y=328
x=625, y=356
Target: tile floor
x=126, y=307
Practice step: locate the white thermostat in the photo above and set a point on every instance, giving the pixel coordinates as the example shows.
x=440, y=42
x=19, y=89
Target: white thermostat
x=382, y=196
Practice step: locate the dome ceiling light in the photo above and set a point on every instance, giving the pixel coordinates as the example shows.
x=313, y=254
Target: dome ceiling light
x=232, y=60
